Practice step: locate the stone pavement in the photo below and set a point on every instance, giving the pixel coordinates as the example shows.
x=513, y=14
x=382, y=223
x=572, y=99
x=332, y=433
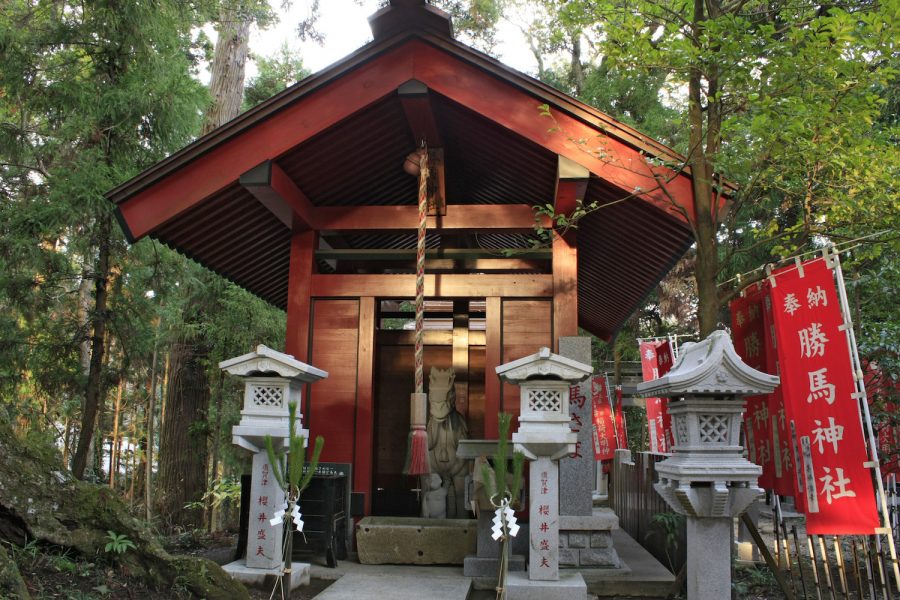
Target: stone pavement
x=641, y=576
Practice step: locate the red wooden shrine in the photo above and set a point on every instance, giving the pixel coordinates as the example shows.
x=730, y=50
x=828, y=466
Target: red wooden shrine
x=303, y=200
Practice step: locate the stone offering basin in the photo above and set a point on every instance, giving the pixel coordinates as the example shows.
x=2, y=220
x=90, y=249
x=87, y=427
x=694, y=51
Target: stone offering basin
x=414, y=541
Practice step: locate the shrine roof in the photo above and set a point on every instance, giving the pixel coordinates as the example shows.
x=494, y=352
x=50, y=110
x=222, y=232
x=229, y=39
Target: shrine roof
x=340, y=137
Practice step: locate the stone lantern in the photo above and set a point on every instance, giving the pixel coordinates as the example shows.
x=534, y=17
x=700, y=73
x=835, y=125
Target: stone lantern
x=272, y=380
x=544, y=436
x=707, y=478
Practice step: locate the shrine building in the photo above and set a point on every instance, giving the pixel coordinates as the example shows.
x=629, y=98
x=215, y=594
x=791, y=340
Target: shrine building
x=304, y=201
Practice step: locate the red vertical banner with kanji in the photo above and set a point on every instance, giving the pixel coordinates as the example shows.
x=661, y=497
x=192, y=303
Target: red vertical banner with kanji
x=621, y=431
x=785, y=480
x=767, y=432
x=604, y=430
x=882, y=392
x=823, y=407
x=656, y=360
x=748, y=332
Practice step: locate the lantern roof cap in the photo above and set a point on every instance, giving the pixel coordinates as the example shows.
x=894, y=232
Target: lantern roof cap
x=544, y=365
x=710, y=367
x=267, y=362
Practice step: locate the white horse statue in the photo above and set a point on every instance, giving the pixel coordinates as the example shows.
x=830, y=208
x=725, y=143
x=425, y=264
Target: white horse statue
x=445, y=428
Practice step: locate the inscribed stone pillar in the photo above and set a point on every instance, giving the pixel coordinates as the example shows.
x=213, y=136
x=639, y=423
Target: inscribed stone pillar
x=576, y=472
x=543, y=560
x=709, y=557
x=264, y=539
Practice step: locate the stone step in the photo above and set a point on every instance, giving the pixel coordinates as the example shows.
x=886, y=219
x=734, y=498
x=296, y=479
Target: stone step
x=397, y=586
x=640, y=575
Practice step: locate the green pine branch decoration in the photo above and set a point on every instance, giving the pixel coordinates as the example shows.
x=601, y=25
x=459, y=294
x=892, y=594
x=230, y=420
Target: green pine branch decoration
x=500, y=484
x=297, y=478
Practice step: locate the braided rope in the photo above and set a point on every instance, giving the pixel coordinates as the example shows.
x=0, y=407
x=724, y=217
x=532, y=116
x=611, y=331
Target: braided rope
x=420, y=273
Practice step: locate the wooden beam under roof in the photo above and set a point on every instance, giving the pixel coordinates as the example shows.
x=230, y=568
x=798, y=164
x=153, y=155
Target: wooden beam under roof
x=442, y=265
x=431, y=253
x=277, y=191
x=496, y=218
x=436, y=286
x=417, y=108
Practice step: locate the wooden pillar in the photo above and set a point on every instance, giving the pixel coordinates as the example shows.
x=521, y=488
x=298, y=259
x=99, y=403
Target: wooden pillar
x=365, y=402
x=565, y=288
x=493, y=358
x=303, y=247
x=571, y=185
x=461, y=354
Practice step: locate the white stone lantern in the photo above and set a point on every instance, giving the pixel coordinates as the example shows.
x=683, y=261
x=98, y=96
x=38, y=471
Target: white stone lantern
x=272, y=380
x=707, y=478
x=544, y=436
x=544, y=380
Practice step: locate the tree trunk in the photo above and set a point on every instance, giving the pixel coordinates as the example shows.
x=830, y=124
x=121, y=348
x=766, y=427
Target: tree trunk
x=66, y=440
x=702, y=143
x=114, y=445
x=214, y=467
x=164, y=392
x=94, y=388
x=576, y=69
x=226, y=83
x=182, y=446
x=151, y=410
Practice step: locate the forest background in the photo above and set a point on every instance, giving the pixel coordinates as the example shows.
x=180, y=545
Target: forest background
x=108, y=351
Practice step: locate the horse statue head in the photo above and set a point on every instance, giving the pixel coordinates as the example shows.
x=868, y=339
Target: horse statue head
x=441, y=395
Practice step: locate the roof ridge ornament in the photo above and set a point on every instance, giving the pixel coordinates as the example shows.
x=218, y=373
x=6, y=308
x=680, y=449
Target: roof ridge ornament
x=409, y=15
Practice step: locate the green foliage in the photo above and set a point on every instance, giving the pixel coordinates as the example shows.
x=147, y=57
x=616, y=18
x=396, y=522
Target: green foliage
x=795, y=103
x=91, y=95
x=118, y=543
x=225, y=490
x=670, y=526
x=274, y=74
x=756, y=580
x=474, y=21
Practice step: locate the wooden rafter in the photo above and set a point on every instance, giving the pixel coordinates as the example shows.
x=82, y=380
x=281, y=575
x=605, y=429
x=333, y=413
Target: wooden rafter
x=419, y=114
x=571, y=185
x=277, y=191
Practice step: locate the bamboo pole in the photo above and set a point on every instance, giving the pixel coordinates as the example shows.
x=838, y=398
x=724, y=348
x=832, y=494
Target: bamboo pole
x=799, y=560
x=839, y=558
x=863, y=403
x=826, y=567
x=815, y=567
x=857, y=571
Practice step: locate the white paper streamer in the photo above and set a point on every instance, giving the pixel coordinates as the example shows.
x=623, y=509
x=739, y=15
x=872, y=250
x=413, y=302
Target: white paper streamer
x=504, y=521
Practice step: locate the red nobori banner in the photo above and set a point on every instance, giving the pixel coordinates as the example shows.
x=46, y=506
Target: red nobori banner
x=748, y=332
x=766, y=420
x=604, y=427
x=883, y=392
x=656, y=360
x=818, y=387
x=621, y=431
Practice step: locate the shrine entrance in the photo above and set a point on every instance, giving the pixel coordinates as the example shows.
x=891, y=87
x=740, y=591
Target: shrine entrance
x=454, y=339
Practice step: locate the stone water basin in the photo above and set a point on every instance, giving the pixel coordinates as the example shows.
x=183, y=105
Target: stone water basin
x=414, y=541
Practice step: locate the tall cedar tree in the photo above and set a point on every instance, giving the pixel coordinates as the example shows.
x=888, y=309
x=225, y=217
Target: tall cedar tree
x=93, y=92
